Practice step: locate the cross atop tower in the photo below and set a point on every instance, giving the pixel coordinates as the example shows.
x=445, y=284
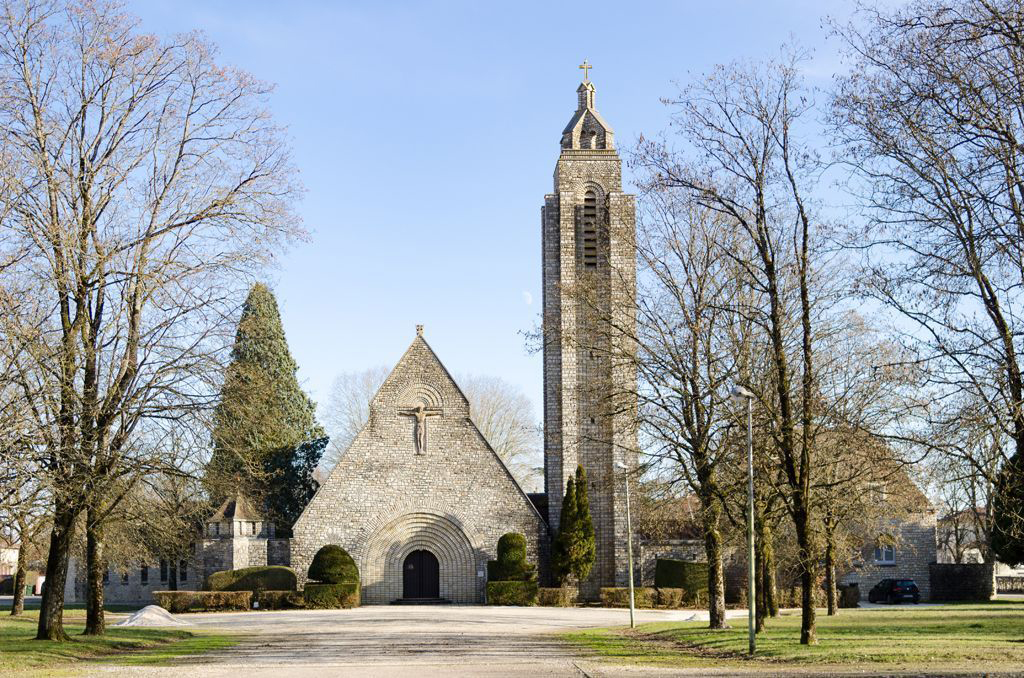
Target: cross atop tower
x=585, y=66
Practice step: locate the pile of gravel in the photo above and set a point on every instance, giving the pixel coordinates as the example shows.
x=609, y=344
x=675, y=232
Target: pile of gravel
x=152, y=615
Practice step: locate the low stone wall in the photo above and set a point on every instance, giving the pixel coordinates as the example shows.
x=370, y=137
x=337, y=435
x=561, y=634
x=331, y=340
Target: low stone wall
x=1009, y=584
x=965, y=581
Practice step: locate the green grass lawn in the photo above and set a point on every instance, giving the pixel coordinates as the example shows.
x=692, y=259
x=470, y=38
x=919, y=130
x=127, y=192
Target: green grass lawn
x=980, y=637
x=123, y=646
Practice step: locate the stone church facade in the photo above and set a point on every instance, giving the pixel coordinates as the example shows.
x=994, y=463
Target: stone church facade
x=420, y=498
x=418, y=478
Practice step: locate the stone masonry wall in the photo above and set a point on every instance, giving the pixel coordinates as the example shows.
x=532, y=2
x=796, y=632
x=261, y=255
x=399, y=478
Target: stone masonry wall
x=384, y=500
x=915, y=549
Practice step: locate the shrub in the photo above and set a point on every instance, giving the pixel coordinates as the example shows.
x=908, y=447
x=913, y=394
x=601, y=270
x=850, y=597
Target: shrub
x=670, y=598
x=185, y=601
x=559, y=597
x=792, y=596
x=333, y=565
x=512, y=593
x=849, y=595
x=511, y=564
x=278, y=600
x=681, y=574
x=618, y=596
x=267, y=578
x=343, y=595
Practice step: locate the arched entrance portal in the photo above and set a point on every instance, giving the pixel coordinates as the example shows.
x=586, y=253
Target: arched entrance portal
x=421, y=576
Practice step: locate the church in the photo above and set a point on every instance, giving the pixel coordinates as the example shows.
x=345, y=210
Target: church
x=420, y=498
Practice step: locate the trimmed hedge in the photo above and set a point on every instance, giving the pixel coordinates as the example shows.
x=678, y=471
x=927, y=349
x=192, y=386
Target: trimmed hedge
x=278, y=600
x=556, y=597
x=512, y=593
x=618, y=596
x=343, y=595
x=511, y=564
x=186, y=601
x=670, y=598
x=333, y=565
x=681, y=574
x=266, y=578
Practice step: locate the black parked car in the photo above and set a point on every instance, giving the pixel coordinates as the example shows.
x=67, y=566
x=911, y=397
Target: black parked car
x=894, y=591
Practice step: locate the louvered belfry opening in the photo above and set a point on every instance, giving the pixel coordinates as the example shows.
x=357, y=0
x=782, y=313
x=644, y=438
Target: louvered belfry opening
x=590, y=230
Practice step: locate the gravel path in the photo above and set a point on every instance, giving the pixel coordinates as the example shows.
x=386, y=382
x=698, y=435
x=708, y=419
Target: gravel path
x=431, y=641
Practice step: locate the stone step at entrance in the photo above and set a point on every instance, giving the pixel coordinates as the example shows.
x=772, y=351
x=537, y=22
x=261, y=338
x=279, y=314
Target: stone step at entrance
x=421, y=601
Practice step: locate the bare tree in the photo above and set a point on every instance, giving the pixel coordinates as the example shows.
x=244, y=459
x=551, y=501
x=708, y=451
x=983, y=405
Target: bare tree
x=502, y=412
x=686, y=284
x=348, y=409
x=930, y=122
x=145, y=181
x=747, y=165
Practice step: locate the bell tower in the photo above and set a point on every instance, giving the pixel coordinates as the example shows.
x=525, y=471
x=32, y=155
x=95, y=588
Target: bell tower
x=589, y=285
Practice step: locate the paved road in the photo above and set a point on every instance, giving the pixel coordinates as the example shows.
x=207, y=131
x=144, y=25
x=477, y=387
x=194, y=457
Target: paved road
x=442, y=641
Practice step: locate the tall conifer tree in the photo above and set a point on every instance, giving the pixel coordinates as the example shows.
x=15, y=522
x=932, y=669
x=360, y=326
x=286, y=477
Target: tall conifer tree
x=584, y=548
x=266, y=438
x=561, y=560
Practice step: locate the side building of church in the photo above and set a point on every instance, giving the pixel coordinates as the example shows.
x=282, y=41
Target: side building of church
x=420, y=498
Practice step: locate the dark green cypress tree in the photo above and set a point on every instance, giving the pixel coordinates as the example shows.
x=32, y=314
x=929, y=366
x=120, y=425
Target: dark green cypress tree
x=1008, y=512
x=584, y=549
x=561, y=565
x=265, y=435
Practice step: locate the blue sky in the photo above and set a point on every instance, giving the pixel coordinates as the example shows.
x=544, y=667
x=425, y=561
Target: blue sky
x=427, y=134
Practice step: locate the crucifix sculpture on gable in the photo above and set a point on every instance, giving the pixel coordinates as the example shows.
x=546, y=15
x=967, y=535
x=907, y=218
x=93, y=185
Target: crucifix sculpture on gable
x=421, y=412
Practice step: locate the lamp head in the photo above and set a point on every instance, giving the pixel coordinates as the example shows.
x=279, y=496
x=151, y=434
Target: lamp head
x=738, y=391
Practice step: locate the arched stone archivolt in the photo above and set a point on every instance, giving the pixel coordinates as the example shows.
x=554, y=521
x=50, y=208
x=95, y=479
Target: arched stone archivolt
x=388, y=547
x=419, y=393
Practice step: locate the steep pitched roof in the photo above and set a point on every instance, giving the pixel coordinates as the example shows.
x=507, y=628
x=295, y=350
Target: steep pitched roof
x=237, y=507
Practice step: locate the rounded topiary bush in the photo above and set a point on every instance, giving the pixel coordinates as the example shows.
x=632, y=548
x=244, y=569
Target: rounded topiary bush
x=511, y=564
x=333, y=565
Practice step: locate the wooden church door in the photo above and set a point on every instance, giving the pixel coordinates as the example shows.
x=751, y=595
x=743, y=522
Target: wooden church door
x=421, y=576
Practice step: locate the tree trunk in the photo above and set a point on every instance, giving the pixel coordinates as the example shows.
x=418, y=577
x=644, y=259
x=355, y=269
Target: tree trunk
x=808, y=634
x=760, y=546
x=172, y=576
x=716, y=575
x=95, y=620
x=18, y=603
x=830, y=575
x=771, y=598
x=51, y=609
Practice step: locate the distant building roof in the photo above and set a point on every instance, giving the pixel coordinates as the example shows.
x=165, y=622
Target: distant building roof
x=237, y=507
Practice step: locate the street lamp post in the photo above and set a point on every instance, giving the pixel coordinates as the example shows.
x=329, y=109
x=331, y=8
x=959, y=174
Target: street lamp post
x=740, y=392
x=629, y=544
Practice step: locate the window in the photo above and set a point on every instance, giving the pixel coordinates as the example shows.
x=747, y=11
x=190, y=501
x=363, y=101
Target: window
x=588, y=236
x=144, y=574
x=216, y=529
x=885, y=554
x=106, y=576
x=163, y=570
x=124, y=578
x=183, y=571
